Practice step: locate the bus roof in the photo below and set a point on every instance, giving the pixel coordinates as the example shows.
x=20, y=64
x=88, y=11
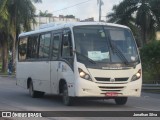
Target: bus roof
x=57, y=26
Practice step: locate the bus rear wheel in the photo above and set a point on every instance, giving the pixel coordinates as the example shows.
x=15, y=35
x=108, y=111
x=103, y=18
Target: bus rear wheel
x=67, y=100
x=33, y=93
x=121, y=100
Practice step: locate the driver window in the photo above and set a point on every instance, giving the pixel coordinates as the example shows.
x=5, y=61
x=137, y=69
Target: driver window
x=67, y=45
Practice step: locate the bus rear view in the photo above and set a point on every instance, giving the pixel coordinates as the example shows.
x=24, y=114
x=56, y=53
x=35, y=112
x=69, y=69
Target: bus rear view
x=108, y=62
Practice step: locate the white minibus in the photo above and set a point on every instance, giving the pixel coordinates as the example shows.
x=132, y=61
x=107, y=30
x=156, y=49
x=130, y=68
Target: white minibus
x=80, y=60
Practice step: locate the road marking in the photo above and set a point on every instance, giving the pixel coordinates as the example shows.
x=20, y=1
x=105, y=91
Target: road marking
x=146, y=97
x=145, y=108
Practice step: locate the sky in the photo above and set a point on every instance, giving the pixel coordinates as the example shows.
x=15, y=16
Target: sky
x=82, y=11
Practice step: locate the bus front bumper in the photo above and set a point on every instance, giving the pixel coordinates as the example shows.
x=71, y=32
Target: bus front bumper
x=91, y=89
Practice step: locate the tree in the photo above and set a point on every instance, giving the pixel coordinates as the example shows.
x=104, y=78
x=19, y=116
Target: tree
x=70, y=16
x=19, y=15
x=145, y=14
x=150, y=56
x=45, y=14
x=3, y=34
x=4, y=44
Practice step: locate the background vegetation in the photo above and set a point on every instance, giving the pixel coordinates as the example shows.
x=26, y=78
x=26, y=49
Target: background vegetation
x=143, y=17
x=15, y=17
x=150, y=56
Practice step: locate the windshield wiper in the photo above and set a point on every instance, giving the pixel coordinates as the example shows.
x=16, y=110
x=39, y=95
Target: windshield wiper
x=90, y=60
x=116, y=50
x=119, y=53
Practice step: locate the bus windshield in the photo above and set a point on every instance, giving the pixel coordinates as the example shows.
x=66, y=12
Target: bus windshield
x=105, y=44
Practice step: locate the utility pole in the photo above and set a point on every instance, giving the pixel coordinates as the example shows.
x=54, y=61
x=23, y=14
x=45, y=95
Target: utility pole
x=99, y=10
x=100, y=2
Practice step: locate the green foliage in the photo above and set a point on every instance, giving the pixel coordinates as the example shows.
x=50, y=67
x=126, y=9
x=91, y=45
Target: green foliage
x=3, y=10
x=37, y=1
x=144, y=14
x=45, y=14
x=15, y=17
x=70, y=16
x=0, y=66
x=150, y=56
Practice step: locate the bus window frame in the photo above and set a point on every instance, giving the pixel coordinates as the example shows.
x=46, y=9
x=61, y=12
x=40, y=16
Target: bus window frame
x=19, y=39
x=57, y=32
x=61, y=58
x=47, y=58
x=35, y=59
x=66, y=30
x=32, y=59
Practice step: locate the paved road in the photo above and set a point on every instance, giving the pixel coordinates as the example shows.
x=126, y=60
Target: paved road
x=15, y=98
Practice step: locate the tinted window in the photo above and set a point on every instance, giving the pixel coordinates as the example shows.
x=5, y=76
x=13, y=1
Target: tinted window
x=32, y=50
x=44, y=45
x=22, y=49
x=66, y=45
x=55, y=46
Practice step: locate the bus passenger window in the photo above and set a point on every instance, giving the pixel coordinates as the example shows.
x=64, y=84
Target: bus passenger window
x=44, y=45
x=32, y=49
x=55, y=46
x=22, y=49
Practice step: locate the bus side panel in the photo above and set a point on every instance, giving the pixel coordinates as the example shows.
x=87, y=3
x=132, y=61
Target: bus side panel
x=21, y=74
x=38, y=72
x=66, y=73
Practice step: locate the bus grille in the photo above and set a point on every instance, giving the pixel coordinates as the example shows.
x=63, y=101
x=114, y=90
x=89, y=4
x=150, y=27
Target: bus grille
x=103, y=79
x=108, y=79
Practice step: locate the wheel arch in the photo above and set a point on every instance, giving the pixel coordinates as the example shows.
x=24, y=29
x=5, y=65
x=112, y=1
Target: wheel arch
x=28, y=82
x=62, y=82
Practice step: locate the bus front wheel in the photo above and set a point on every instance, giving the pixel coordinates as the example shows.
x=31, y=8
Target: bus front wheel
x=67, y=100
x=121, y=100
x=33, y=93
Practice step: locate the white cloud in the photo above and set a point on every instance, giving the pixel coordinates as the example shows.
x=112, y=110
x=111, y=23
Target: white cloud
x=82, y=11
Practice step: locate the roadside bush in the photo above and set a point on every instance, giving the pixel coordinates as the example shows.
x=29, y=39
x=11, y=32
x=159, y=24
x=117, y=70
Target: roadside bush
x=150, y=56
x=0, y=66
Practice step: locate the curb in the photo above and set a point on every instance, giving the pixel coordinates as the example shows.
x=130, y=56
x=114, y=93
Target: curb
x=7, y=76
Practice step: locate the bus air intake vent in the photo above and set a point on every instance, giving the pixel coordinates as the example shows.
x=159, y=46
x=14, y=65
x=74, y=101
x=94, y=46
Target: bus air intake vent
x=109, y=79
x=102, y=79
x=121, y=79
x=105, y=89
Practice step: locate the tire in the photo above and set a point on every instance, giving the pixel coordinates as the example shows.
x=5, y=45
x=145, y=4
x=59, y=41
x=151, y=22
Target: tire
x=121, y=100
x=67, y=100
x=40, y=94
x=33, y=93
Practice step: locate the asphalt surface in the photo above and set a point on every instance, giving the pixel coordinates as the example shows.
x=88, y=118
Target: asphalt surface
x=15, y=98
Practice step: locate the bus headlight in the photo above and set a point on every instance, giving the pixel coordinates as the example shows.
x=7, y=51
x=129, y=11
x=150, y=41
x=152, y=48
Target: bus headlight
x=137, y=76
x=84, y=75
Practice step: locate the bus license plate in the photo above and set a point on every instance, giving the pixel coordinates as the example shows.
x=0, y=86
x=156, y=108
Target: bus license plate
x=111, y=94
